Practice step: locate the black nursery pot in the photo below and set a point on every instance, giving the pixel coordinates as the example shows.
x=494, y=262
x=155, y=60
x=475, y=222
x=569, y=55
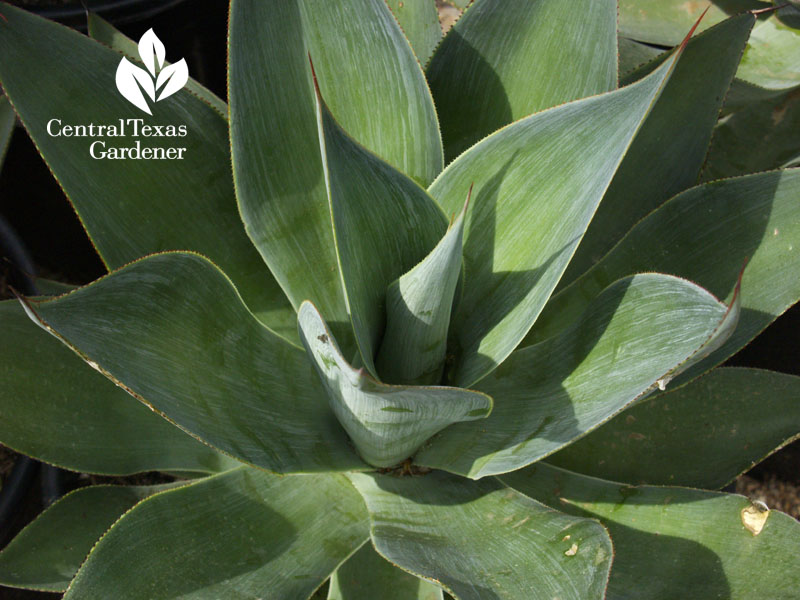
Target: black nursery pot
x=73, y=12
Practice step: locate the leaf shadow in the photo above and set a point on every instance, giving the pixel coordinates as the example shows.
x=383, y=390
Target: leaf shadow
x=505, y=289
x=667, y=559
x=189, y=577
x=464, y=116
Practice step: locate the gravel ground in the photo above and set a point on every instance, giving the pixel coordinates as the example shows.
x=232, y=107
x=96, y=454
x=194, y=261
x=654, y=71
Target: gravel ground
x=773, y=492
x=448, y=14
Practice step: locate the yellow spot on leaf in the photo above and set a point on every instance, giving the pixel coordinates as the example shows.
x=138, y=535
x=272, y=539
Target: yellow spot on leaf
x=754, y=517
x=573, y=550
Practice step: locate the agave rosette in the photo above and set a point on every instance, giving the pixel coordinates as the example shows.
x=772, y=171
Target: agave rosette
x=402, y=348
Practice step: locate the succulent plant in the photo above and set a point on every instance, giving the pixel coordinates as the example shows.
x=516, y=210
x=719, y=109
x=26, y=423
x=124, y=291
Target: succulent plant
x=762, y=106
x=410, y=350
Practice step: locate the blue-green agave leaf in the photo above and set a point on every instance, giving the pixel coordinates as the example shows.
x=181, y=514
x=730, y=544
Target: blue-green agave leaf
x=172, y=331
x=367, y=574
x=418, y=307
x=47, y=553
x=633, y=54
x=383, y=223
x=632, y=336
x=526, y=217
x=387, y=423
x=419, y=20
x=716, y=545
x=130, y=207
x=665, y=22
x=706, y=234
x=663, y=159
x=703, y=434
x=506, y=59
x=375, y=87
x=44, y=414
x=761, y=136
x=480, y=539
x=241, y=534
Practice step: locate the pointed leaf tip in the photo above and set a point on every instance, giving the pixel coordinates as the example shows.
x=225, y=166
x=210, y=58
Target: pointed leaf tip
x=469, y=196
x=693, y=29
x=763, y=11
x=314, y=78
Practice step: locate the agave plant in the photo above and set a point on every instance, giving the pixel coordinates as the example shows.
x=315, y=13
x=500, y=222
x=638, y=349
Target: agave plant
x=762, y=106
x=409, y=350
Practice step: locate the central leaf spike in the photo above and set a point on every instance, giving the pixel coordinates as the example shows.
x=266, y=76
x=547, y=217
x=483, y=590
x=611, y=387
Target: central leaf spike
x=418, y=307
x=387, y=423
x=383, y=223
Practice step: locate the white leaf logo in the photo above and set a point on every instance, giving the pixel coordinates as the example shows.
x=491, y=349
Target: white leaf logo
x=134, y=82
x=151, y=51
x=175, y=76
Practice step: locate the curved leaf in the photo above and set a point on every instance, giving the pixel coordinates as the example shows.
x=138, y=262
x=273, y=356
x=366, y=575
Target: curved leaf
x=770, y=60
x=511, y=265
x=7, y=121
x=418, y=307
x=666, y=22
x=701, y=435
x=706, y=234
x=130, y=207
x=566, y=51
x=663, y=159
x=241, y=534
x=636, y=332
x=759, y=137
x=481, y=540
x=376, y=89
x=419, y=20
x=633, y=54
x=173, y=332
x=50, y=400
x=47, y=553
x=383, y=225
x=709, y=542
x=387, y=423
x=367, y=575
x=51, y=287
